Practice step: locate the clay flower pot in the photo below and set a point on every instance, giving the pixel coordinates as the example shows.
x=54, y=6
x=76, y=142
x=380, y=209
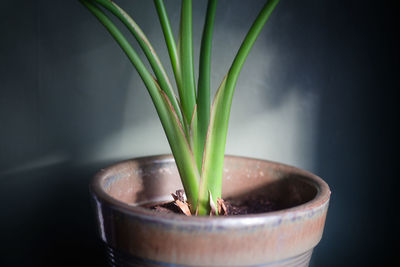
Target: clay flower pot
x=136, y=236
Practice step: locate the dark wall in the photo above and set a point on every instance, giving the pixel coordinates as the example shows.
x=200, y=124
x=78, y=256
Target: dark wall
x=67, y=109
x=356, y=139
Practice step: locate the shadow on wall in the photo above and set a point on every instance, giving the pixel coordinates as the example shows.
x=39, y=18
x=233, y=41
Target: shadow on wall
x=47, y=219
x=53, y=111
x=355, y=131
x=60, y=108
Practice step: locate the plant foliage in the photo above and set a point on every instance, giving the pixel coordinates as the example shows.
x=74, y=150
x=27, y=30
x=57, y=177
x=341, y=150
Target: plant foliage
x=195, y=129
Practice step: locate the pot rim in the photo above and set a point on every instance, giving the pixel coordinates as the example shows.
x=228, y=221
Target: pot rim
x=319, y=202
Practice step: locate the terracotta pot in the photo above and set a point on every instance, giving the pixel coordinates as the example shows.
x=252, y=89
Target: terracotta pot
x=136, y=236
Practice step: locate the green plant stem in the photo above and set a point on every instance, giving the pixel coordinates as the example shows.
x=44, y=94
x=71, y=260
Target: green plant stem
x=173, y=129
x=188, y=92
x=148, y=50
x=169, y=40
x=211, y=176
x=203, y=89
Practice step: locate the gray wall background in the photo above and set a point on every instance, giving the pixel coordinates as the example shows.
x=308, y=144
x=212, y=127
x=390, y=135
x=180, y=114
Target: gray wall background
x=317, y=92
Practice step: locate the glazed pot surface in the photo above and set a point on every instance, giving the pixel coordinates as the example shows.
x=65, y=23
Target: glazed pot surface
x=136, y=236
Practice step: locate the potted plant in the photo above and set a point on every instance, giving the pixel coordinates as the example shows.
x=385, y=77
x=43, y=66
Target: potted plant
x=196, y=132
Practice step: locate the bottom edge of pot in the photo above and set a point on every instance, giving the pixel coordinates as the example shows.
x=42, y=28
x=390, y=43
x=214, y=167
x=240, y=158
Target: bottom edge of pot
x=117, y=258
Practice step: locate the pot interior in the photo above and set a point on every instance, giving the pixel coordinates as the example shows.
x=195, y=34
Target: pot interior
x=151, y=180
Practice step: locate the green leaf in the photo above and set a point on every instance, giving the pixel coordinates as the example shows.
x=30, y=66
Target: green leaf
x=203, y=89
x=211, y=176
x=213, y=161
x=187, y=93
x=169, y=40
x=183, y=155
x=194, y=139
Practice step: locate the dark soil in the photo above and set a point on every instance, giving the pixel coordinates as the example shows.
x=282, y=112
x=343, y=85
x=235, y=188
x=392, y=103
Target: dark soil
x=250, y=205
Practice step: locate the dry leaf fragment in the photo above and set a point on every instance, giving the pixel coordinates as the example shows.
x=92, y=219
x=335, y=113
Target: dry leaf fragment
x=184, y=207
x=221, y=207
x=181, y=195
x=180, y=202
